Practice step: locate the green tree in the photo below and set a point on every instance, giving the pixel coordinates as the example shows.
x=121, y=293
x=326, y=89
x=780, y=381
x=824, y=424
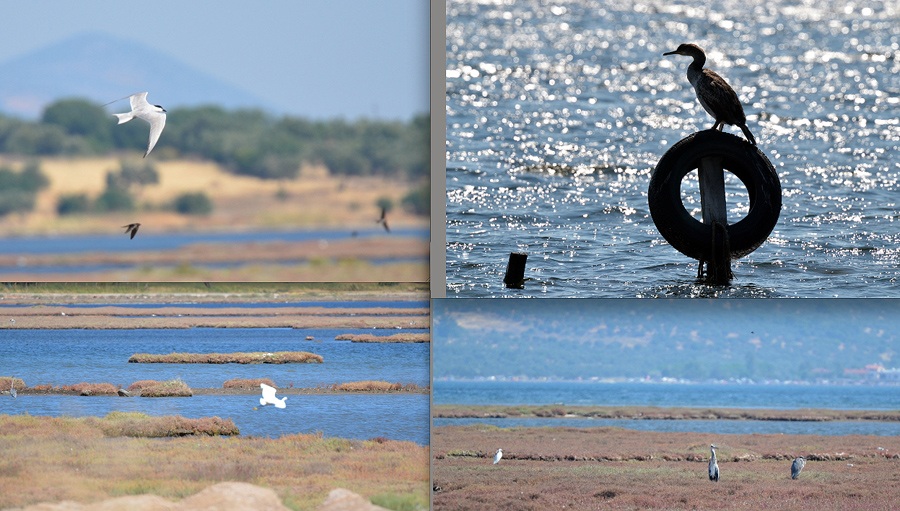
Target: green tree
x=81, y=118
x=137, y=174
x=115, y=197
x=418, y=201
x=18, y=190
x=193, y=204
x=71, y=204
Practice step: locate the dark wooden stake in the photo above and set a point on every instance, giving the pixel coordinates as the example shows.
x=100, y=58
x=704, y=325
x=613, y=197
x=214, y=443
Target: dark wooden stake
x=515, y=270
x=712, y=205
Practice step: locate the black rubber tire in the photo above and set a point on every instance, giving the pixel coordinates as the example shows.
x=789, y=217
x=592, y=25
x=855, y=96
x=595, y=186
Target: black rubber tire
x=692, y=237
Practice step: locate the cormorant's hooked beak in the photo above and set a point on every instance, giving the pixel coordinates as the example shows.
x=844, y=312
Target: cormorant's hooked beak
x=674, y=52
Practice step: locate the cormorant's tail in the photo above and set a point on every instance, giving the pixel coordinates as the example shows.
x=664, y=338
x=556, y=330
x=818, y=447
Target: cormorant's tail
x=747, y=133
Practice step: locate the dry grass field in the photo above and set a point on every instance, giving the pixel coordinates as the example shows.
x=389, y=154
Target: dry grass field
x=610, y=468
x=315, y=200
x=87, y=460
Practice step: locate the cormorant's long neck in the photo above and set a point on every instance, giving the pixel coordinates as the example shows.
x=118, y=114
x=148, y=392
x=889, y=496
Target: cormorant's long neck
x=699, y=60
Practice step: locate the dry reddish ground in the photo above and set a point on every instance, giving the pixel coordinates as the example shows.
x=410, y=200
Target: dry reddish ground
x=610, y=468
x=61, y=317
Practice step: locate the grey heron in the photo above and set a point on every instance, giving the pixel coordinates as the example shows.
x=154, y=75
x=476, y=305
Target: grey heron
x=497, y=456
x=797, y=466
x=713, y=465
x=12, y=388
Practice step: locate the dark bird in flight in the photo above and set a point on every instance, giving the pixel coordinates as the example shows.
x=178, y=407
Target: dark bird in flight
x=715, y=95
x=383, y=220
x=132, y=228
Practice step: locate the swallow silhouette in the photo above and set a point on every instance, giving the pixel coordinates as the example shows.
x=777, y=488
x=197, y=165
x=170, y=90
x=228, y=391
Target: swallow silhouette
x=383, y=220
x=132, y=228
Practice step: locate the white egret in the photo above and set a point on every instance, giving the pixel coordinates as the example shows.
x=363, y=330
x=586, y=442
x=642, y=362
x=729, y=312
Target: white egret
x=268, y=396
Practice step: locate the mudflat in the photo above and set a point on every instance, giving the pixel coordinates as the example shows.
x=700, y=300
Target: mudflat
x=612, y=468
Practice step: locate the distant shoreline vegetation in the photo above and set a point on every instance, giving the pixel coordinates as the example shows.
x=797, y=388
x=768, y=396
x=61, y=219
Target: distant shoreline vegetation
x=278, y=357
x=244, y=141
x=670, y=381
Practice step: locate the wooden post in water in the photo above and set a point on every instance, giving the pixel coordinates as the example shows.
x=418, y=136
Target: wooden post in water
x=712, y=205
x=515, y=270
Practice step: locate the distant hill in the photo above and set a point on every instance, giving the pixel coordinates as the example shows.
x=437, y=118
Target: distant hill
x=690, y=339
x=101, y=68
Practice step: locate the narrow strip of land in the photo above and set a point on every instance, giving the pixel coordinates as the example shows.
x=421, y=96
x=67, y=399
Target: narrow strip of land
x=657, y=413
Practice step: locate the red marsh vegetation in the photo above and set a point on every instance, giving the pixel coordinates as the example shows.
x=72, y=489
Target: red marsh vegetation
x=375, y=386
x=247, y=383
x=133, y=424
x=154, y=388
x=279, y=357
x=611, y=468
x=90, y=389
x=659, y=413
x=403, y=337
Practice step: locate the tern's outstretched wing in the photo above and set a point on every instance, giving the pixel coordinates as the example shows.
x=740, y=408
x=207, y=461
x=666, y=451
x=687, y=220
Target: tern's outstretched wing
x=157, y=123
x=138, y=101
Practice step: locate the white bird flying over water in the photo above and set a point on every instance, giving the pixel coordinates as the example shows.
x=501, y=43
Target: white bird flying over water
x=498, y=456
x=153, y=114
x=268, y=396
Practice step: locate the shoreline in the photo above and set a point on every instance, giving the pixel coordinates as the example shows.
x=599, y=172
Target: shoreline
x=215, y=391
x=657, y=413
x=139, y=306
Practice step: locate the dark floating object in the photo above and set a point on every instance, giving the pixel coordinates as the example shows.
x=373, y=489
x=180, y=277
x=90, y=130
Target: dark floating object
x=515, y=270
x=714, y=240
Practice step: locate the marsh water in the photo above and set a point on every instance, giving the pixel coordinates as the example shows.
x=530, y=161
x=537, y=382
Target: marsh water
x=558, y=112
x=699, y=395
x=60, y=357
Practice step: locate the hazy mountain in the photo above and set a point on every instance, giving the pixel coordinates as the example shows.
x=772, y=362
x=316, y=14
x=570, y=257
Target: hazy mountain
x=692, y=339
x=102, y=68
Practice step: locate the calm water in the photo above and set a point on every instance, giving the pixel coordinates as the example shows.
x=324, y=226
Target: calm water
x=558, y=112
x=173, y=241
x=398, y=417
x=71, y=356
x=119, y=243
x=838, y=397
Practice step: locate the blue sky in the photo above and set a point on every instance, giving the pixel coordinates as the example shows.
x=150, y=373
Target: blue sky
x=351, y=58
